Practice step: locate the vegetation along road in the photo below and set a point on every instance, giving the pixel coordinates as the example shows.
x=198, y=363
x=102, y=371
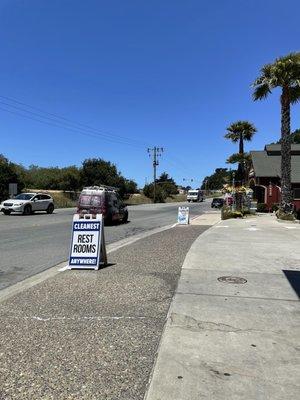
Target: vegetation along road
x=31, y=244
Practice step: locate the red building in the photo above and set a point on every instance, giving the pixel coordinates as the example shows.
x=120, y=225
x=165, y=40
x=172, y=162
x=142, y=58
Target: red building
x=265, y=174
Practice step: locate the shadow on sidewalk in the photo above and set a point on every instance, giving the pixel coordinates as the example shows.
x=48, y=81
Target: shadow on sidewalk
x=294, y=280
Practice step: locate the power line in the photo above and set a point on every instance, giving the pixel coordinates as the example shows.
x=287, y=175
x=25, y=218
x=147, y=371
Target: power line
x=62, y=122
x=67, y=128
x=70, y=123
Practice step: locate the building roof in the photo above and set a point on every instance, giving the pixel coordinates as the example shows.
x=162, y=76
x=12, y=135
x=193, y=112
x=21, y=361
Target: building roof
x=275, y=149
x=268, y=165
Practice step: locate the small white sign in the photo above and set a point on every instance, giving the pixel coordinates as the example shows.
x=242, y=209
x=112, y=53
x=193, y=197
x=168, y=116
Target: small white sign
x=87, y=245
x=183, y=215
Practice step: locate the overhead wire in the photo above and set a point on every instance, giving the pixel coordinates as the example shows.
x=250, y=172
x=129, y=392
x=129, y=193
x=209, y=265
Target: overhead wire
x=70, y=125
x=59, y=121
x=67, y=128
x=69, y=121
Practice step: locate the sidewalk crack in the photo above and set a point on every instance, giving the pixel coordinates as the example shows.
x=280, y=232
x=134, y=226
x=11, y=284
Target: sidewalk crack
x=192, y=324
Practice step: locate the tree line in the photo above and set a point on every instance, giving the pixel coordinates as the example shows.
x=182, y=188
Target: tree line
x=93, y=171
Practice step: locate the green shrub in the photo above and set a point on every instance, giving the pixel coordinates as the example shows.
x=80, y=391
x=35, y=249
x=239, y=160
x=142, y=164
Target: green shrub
x=246, y=211
x=274, y=207
x=262, y=207
x=227, y=213
x=280, y=214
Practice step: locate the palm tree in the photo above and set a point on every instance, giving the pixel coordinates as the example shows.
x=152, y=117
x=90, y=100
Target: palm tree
x=243, y=159
x=240, y=131
x=284, y=73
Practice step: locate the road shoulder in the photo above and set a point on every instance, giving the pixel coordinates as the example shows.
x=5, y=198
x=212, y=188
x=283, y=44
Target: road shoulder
x=93, y=334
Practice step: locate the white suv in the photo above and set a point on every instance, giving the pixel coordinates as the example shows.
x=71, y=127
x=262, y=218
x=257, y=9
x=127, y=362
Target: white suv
x=28, y=203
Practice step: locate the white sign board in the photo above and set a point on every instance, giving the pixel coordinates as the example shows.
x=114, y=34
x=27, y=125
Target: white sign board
x=87, y=245
x=183, y=215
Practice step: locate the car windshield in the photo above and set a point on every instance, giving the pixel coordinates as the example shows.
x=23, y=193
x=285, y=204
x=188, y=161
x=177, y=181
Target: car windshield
x=90, y=200
x=218, y=200
x=193, y=193
x=24, y=196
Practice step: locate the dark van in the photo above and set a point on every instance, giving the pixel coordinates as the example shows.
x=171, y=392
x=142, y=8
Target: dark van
x=103, y=200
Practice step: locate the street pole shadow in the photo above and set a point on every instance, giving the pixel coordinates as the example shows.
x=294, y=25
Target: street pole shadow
x=294, y=280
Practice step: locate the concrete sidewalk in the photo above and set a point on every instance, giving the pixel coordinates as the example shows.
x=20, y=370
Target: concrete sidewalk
x=226, y=340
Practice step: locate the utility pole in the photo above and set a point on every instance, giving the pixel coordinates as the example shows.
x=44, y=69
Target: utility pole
x=155, y=153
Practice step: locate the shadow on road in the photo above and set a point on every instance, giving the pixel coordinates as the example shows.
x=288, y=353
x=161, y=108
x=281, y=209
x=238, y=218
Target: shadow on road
x=294, y=280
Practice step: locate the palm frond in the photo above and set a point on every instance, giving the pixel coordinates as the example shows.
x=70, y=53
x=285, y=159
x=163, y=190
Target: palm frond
x=238, y=158
x=232, y=136
x=295, y=94
x=261, y=91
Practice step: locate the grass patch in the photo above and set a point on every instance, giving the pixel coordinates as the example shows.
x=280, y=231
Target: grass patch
x=140, y=198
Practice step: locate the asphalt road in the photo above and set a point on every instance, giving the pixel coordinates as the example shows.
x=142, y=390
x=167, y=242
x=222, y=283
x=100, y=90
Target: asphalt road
x=31, y=244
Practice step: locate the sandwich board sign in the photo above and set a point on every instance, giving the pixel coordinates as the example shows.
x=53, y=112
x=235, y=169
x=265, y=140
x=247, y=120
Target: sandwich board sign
x=183, y=215
x=87, y=244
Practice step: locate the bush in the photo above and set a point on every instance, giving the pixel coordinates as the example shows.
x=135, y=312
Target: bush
x=160, y=194
x=227, y=213
x=262, y=207
x=280, y=214
x=274, y=207
x=246, y=211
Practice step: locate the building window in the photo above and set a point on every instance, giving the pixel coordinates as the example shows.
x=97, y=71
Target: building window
x=297, y=193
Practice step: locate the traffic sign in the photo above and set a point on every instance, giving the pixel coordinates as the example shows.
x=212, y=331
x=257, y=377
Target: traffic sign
x=87, y=245
x=183, y=215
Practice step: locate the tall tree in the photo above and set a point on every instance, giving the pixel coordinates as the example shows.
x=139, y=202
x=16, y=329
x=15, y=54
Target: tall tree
x=284, y=73
x=217, y=180
x=9, y=173
x=240, y=131
x=296, y=136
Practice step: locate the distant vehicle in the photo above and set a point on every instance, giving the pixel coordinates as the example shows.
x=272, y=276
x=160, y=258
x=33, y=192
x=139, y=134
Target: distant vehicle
x=28, y=203
x=217, y=203
x=103, y=200
x=195, y=195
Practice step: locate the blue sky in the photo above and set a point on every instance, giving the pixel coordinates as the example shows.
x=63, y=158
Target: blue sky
x=165, y=73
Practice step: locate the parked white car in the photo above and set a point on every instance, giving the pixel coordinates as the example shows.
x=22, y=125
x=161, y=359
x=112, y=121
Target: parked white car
x=28, y=203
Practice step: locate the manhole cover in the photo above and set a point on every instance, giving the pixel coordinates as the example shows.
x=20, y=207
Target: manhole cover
x=232, y=279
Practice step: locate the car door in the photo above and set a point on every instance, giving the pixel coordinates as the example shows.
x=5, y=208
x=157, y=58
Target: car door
x=121, y=206
x=45, y=201
x=114, y=206
x=36, y=203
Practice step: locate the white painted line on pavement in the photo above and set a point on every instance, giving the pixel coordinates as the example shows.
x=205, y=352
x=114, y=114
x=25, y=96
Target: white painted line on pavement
x=64, y=268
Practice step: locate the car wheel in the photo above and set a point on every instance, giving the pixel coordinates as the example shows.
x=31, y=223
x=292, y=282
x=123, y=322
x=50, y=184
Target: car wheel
x=27, y=210
x=6, y=212
x=125, y=218
x=50, y=209
x=108, y=220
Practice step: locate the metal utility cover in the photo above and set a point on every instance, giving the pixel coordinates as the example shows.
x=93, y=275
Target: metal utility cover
x=232, y=279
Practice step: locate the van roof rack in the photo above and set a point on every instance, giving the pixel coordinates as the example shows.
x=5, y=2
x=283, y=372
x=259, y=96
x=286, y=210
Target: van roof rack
x=101, y=187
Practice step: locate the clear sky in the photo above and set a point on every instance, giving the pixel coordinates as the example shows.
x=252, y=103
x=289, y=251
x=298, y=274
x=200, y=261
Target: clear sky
x=168, y=73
